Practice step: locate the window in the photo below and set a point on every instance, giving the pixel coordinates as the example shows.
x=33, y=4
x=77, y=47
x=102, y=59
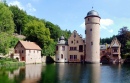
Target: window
x=115, y=50
x=29, y=51
x=77, y=41
x=75, y=48
x=71, y=48
x=34, y=51
x=37, y=51
x=85, y=31
x=90, y=29
x=61, y=56
x=57, y=58
x=83, y=41
x=22, y=51
x=15, y=51
x=63, y=48
x=91, y=43
x=71, y=57
x=75, y=57
x=56, y=48
x=71, y=41
x=80, y=48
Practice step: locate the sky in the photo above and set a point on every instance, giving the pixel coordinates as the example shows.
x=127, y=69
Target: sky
x=69, y=14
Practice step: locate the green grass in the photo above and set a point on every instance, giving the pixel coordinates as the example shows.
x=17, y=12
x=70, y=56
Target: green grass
x=10, y=62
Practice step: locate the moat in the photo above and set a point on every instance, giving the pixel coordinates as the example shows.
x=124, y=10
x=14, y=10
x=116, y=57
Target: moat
x=66, y=73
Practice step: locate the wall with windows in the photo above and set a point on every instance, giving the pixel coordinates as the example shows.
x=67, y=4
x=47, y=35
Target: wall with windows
x=29, y=56
x=75, y=47
x=19, y=50
x=61, y=53
x=33, y=56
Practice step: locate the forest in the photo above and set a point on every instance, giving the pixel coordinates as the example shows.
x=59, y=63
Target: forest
x=13, y=20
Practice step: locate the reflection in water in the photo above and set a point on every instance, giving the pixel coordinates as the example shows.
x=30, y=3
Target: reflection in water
x=32, y=73
x=94, y=75
x=28, y=74
x=66, y=73
x=78, y=73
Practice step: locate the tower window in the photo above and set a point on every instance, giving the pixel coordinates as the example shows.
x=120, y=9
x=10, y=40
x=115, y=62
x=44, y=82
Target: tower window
x=90, y=29
x=61, y=56
x=91, y=43
x=71, y=41
x=85, y=31
x=63, y=48
x=56, y=48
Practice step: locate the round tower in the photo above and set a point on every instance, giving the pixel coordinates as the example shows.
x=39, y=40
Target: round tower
x=61, y=50
x=92, y=25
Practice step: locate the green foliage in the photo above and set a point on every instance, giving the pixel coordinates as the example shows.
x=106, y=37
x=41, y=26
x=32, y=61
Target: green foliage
x=4, y=42
x=13, y=41
x=106, y=40
x=124, y=36
x=66, y=34
x=37, y=32
x=19, y=17
x=6, y=19
x=54, y=30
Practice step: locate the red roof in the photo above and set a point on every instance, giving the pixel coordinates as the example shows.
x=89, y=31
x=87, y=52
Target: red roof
x=29, y=45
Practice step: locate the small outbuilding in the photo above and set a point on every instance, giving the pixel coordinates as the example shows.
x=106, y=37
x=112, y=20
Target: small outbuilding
x=27, y=51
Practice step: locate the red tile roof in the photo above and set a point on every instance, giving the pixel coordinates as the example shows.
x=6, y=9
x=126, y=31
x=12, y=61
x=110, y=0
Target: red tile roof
x=30, y=45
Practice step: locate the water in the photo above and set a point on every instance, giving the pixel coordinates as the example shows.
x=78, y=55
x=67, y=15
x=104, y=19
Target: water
x=66, y=73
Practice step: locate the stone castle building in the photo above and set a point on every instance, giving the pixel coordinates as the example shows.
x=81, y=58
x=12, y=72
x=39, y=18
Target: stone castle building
x=89, y=50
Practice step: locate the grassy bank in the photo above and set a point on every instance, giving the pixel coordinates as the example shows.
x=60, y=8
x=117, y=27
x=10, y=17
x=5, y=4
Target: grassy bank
x=10, y=62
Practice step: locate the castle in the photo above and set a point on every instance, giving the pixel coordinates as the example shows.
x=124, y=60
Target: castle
x=78, y=49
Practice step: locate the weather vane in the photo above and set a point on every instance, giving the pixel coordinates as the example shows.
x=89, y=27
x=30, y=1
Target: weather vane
x=92, y=7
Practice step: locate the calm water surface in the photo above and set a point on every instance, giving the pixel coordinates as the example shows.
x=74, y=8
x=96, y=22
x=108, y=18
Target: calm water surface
x=66, y=73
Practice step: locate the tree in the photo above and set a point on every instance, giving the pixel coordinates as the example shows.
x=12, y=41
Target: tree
x=37, y=32
x=4, y=43
x=54, y=30
x=20, y=18
x=6, y=28
x=123, y=36
x=6, y=19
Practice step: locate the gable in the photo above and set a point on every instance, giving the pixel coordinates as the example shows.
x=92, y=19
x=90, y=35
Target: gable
x=75, y=37
x=115, y=43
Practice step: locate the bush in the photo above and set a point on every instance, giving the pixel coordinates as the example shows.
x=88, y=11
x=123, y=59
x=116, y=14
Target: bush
x=15, y=60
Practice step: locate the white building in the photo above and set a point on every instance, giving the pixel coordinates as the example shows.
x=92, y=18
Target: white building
x=61, y=50
x=27, y=51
